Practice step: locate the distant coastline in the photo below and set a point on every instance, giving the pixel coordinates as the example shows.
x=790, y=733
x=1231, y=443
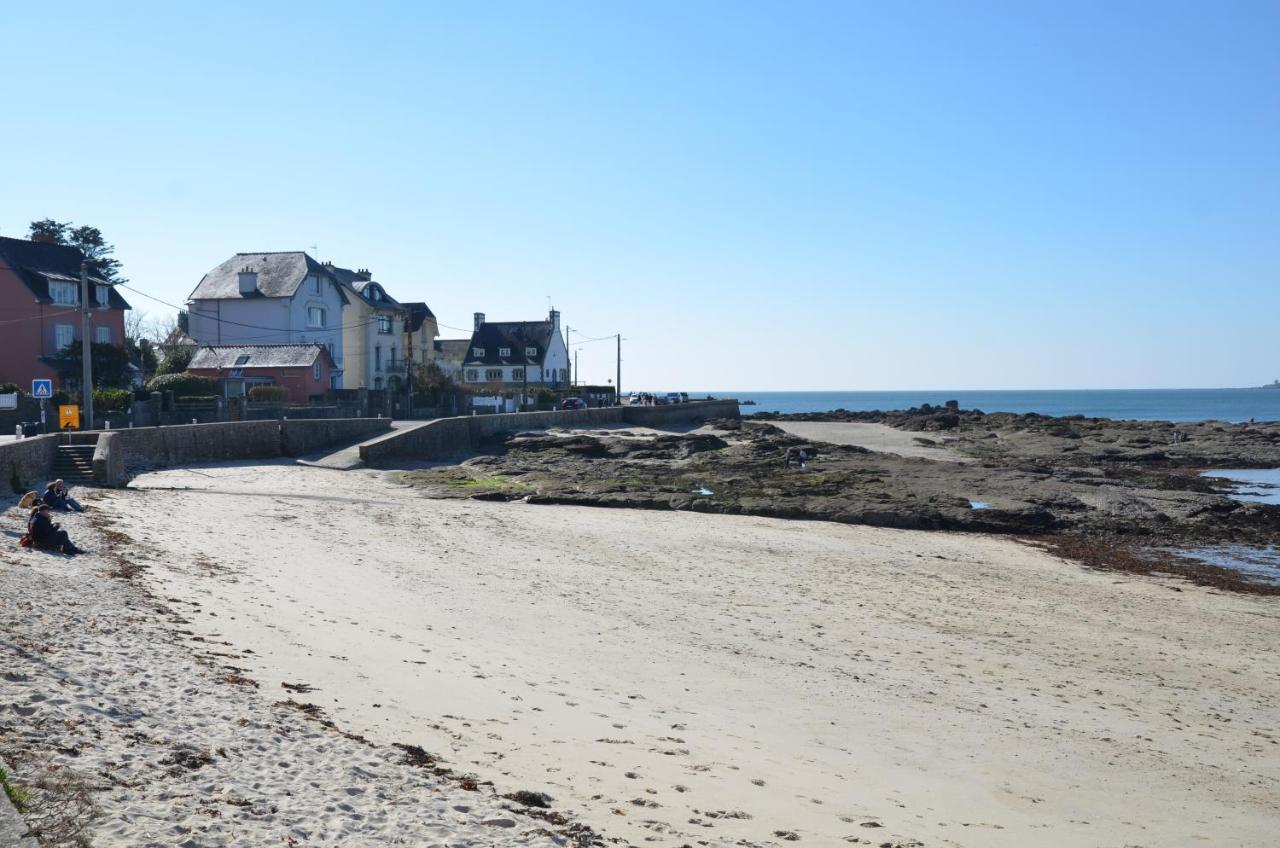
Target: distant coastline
x=1233, y=405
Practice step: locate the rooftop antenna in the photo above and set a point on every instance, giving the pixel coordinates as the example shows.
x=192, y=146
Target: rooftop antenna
x=314, y=249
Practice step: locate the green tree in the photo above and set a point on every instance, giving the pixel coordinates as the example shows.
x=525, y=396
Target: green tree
x=88, y=240
x=110, y=363
x=175, y=360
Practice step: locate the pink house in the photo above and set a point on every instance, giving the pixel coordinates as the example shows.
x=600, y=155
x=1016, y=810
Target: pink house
x=302, y=369
x=40, y=311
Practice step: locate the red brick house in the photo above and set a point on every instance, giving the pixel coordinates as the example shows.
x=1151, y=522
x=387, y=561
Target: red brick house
x=303, y=369
x=40, y=311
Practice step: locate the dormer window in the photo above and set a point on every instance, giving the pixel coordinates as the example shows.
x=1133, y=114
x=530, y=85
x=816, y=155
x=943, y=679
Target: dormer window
x=64, y=294
x=504, y=351
x=477, y=351
x=531, y=351
x=314, y=282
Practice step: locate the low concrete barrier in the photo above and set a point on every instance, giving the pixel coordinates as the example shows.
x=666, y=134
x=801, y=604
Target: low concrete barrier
x=27, y=463
x=446, y=438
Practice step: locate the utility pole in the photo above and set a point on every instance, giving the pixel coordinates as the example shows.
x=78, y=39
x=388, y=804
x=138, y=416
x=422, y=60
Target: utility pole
x=575, y=367
x=568, y=334
x=86, y=348
x=617, y=386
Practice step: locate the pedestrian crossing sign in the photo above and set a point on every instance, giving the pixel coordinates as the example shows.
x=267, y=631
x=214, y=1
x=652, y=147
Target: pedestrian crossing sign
x=42, y=388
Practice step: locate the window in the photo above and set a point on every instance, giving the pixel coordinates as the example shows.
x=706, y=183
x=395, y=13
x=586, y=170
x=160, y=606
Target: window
x=315, y=371
x=329, y=347
x=63, y=335
x=315, y=316
x=377, y=358
x=473, y=375
x=531, y=351
x=517, y=373
x=104, y=296
x=384, y=325
x=504, y=351
x=477, y=351
x=66, y=294
x=237, y=374
x=314, y=282
x=102, y=335
x=393, y=358
x=242, y=359
x=493, y=374
x=377, y=382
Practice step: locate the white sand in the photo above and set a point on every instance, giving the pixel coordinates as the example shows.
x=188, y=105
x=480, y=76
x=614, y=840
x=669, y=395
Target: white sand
x=675, y=678
x=100, y=676
x=874, y=437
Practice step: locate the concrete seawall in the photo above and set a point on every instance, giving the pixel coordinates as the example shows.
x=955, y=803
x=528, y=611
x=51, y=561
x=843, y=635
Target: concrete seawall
x=451, y=437
x=26, y=463
x=121, y=452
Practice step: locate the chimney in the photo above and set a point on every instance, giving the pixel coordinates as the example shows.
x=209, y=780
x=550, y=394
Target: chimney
x=248, y=280
x=479, y=320
x=555, y=320
x=364, y=274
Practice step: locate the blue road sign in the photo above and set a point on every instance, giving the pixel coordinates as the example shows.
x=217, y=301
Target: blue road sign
x=42, y=388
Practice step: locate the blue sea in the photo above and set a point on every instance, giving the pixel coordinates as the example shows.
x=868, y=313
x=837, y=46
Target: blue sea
x=1145, y=404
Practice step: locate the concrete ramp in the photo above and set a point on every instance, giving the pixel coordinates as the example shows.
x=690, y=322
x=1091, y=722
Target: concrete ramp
x=348, y=458
x=446, y=438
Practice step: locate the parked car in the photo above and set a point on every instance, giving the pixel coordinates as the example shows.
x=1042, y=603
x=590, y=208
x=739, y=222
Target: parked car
x=684, y=397
x=573, y=403
x=674, y=397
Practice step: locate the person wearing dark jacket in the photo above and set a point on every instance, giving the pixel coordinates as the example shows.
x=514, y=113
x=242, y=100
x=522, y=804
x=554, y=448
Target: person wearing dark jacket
x=57, y=497
x=46, y=534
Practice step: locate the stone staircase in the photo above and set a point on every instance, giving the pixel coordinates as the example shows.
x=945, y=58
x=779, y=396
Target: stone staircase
x=73, y=463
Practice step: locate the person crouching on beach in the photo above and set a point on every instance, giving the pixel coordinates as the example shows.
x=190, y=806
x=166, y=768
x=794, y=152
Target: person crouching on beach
x=57, y=496
x=46, y=534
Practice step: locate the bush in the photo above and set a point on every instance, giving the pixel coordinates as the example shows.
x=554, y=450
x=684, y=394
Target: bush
x=175, y=361
x=111, y=400
x=274, y=394
x=183, y=384
x=10, y=389
x=197, y=399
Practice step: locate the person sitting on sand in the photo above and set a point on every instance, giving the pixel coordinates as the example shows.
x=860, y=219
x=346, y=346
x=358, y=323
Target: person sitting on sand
x=57, y=497
x=46, y=534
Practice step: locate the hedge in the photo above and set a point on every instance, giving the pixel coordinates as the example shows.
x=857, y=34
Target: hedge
x=269, y=393
x=111, y=400
x=183, y=384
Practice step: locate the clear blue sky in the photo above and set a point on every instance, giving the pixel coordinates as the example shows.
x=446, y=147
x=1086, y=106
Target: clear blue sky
x=769, y=196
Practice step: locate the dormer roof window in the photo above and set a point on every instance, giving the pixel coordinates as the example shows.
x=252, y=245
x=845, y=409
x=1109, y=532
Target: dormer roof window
x=477, y=351
x=504, y=351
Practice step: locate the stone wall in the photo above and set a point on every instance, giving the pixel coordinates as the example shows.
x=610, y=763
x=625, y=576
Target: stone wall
x=451, y=437
x=26, y=463
x=160, y=447
x=123, y=453
x=300, y=437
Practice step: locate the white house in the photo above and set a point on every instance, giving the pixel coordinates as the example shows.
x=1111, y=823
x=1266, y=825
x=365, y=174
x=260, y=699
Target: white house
x=270, y=298
x=517, y=353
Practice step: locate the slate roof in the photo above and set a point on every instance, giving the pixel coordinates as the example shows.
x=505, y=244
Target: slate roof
x=260, y=356
x=279, y=275
x=418, y=312
x=363, y=288
x=37, y=263
x=452, y=350
x=515, y=335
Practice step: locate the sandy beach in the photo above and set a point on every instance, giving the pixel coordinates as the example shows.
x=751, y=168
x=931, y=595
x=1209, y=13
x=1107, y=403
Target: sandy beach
x=676, y=678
